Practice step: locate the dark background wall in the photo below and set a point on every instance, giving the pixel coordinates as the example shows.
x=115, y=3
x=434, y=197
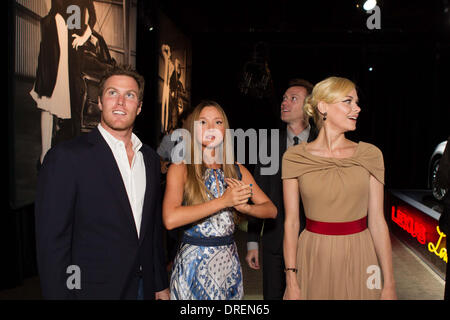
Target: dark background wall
x=404, y=108
x=405, y=111
x=404, y=99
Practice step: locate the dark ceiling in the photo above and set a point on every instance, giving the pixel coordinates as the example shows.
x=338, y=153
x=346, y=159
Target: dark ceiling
x=309, y=16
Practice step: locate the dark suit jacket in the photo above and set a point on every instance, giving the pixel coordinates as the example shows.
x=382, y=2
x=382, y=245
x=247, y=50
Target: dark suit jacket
x=272, y=185
x=84, y=218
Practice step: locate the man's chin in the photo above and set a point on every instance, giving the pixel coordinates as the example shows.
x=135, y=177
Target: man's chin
x=285, y=119
x=118, y=126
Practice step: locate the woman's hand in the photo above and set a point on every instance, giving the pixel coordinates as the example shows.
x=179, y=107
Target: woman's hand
x=292, y=292
x=236, y=194
x=388, y=293
x=79, y=41
x=235, y=184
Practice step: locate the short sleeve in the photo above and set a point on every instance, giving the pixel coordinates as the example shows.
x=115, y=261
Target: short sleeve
x=371, y=158
x=296, y=163
x=289, y=167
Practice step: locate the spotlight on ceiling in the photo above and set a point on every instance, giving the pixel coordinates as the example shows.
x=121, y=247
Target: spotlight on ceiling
x=369, y=5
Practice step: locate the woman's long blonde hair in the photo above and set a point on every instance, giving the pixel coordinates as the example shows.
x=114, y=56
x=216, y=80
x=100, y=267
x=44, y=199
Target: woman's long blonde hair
x=329, y=90
x=195, y=191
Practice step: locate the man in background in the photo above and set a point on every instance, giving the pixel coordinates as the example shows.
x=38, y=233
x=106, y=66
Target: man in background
x=297, y=129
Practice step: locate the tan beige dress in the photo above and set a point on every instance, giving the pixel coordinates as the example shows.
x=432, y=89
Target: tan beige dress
x=335, y=190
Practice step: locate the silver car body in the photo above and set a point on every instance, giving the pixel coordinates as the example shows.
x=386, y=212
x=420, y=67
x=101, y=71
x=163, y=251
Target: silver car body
x=432, y=169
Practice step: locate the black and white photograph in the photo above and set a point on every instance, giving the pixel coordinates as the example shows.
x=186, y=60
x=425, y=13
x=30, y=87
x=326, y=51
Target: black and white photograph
x=174, y=73
x=61, y=50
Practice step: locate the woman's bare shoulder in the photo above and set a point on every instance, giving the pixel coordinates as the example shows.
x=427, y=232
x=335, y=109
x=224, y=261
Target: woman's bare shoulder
x=177, y=171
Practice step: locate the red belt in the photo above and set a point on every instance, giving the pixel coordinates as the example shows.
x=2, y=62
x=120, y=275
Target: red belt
x=336, y=228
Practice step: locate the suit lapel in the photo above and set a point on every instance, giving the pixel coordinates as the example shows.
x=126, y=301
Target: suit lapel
x=106, y=161
x=149, y=195
x=283, y=141
x=283, y=146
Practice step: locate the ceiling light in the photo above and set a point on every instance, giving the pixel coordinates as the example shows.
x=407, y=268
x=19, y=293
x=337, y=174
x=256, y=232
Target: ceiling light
x=369, y=5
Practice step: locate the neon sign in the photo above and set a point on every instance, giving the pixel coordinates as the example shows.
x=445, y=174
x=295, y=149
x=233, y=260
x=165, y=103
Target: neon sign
x=407, y=223
x=434, y=248
x=414, y=225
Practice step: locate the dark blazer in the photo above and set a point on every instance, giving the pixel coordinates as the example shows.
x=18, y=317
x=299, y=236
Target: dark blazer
x=84, y=218
x=272, y=185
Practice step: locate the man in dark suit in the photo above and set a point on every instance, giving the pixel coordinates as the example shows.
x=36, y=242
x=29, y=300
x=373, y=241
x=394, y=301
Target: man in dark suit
x=297, y=129
x=98, y=209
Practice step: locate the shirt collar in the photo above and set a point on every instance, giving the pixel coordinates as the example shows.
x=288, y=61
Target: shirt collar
x=114, y=143
x=303, y=136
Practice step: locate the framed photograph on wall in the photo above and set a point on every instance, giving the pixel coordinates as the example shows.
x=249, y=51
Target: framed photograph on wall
x=174, y=73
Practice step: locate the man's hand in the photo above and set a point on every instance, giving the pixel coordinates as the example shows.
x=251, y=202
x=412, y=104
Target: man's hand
x=164, y=166
x=252, y=259
x=163, y=295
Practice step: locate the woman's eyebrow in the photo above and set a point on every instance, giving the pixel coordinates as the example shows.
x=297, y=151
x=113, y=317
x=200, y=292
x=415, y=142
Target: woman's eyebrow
x=206, y=118
x=351, y=98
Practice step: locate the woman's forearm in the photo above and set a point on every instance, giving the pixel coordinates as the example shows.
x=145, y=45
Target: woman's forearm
x=263, y=210
x=175, y=217
x=291, y=197
x=291, y=229
x=382, y=243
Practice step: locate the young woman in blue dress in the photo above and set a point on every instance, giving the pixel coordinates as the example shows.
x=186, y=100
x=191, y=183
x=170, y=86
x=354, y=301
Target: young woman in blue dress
x=203, y=195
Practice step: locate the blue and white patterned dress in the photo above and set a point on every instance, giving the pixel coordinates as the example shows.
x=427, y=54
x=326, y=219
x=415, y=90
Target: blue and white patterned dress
x=208, y=273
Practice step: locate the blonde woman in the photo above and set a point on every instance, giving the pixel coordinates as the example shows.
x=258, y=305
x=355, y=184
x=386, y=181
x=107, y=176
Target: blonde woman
x=345, y=251
x=202, y=197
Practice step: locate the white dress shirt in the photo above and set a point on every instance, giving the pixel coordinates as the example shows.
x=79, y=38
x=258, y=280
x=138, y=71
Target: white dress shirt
x=133, y=176
x=302, y=136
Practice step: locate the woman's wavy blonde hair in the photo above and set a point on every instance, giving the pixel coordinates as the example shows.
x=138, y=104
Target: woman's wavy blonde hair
x=329, y=90
x=195, y=191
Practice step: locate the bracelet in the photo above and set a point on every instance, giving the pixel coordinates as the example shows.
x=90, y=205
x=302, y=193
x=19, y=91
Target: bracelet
x=291, y=269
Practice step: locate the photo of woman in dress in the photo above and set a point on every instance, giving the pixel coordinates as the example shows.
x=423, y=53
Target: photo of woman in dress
x=51, y=90
x=341, y=184
x=58, y=88
x=203, y=197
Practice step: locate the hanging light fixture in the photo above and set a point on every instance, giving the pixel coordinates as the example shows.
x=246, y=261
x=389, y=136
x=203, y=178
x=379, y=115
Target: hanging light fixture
x=256, y=80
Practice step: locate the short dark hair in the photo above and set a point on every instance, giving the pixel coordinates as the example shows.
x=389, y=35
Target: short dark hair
x=298, y=82
x=122, y=70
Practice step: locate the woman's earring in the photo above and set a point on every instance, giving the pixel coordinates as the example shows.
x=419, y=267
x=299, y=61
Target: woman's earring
x=324, y=116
